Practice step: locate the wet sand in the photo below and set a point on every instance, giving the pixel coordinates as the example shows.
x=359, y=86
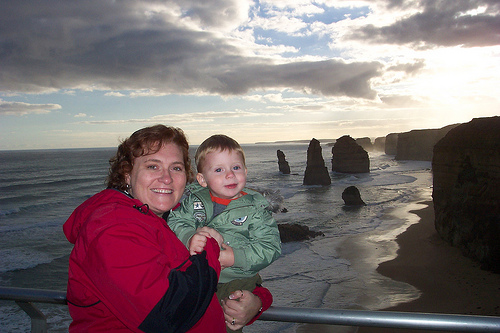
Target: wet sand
x=432, y=276
x=449, y=282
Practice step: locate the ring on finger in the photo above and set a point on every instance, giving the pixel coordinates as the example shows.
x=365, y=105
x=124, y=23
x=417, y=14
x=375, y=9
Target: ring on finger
x=232, y=322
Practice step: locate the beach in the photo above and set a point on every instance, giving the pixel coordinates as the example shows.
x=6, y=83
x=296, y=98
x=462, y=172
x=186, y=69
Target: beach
x=413, y=270
x=448, y=282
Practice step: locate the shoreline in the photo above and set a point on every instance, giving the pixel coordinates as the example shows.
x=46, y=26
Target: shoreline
x=411, y=269
x=449, y=283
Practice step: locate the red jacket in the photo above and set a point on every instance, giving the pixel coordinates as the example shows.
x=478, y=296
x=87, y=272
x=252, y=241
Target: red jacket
x=129, y=272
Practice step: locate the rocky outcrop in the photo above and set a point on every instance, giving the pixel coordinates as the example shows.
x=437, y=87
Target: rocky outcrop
x=349, y=157
x=316, y=172
x=366, y=143
x=379, y=144
x=352, y=197
x=466, y=189
x=282, y=163
x=417, y=145
x=292, y=232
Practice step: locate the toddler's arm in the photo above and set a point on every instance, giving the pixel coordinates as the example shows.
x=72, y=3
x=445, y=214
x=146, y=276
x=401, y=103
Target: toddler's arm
x=226, y=256
x=197, y=242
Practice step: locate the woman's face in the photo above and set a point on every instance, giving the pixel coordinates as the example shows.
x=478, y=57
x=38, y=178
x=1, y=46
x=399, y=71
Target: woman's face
x=159, y=179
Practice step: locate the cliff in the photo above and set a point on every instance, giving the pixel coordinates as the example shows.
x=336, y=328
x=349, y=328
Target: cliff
x=417, y=145
x=466, y=189
x=391, y=144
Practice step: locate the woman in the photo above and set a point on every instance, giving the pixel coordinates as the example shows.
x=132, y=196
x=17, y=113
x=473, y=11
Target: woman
x=128, y=271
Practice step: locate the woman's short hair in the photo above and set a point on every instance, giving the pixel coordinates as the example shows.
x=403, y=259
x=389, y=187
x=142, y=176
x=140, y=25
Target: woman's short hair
x=217, y=142
x=145, y=141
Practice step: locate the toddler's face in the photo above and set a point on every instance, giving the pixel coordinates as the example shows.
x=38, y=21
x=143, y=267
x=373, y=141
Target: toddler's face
x=225, y=174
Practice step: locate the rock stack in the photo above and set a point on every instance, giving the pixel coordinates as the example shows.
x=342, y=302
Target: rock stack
x=379, y=144
x=352, y=197
x=466, y=189
x=316, y=172
x=349, y=157
x=282, y=163
x=366, y=143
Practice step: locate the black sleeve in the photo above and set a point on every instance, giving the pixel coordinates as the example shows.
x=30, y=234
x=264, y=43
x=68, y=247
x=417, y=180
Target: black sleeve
x=189, y=293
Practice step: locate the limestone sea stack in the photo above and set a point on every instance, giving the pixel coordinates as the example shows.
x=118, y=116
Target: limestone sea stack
x=316, y=172
x=466, y=189
x=352, y=197
x=379, y=144
x=282, y=163
x=366, y=143
x=349, y=157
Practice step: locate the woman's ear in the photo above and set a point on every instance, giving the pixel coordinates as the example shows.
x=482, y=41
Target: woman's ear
x=201, y=180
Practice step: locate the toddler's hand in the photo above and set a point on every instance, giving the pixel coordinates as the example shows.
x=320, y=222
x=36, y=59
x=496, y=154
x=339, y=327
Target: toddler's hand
x=197, y=242
x=213, y=233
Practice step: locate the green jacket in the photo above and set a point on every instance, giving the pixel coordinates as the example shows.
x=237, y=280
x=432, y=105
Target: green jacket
x=246, y=225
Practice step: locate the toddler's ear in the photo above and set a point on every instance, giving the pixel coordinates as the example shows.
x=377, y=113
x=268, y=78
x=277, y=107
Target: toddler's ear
x=201, y=179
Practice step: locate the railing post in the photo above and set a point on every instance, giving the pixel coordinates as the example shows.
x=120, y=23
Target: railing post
x=38, y=319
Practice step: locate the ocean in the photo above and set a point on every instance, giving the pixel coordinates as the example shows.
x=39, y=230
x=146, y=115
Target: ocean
x=40, y=188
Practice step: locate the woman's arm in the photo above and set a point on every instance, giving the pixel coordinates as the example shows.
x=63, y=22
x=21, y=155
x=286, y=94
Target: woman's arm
x=243, y=307
x=135, y=277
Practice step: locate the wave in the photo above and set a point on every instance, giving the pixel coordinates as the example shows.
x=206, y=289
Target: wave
x=9, y=211
x=43, y=225
x=22, y=258
x=50, y=184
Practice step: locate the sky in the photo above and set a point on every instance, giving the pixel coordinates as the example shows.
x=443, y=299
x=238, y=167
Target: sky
x=77, y=74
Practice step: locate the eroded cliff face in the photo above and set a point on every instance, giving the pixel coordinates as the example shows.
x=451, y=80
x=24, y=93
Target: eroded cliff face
x=391, y=144
x=417, y=145
x=466, y=189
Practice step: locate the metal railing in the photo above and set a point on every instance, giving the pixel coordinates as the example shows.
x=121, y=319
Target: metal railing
x=409, y=320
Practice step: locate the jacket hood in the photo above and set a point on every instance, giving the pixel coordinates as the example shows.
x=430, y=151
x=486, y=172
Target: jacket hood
x=99, y=204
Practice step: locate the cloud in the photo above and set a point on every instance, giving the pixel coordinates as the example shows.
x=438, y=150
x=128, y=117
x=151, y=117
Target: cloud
x=408, y=68
x=398, y=101
x=179, y=47
x=80, y=115
x=21, y=109
x=467, y=23
x=184, y=118
x=114, y=94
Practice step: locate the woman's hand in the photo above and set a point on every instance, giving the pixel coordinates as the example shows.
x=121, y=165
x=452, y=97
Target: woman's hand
x=239, y=308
